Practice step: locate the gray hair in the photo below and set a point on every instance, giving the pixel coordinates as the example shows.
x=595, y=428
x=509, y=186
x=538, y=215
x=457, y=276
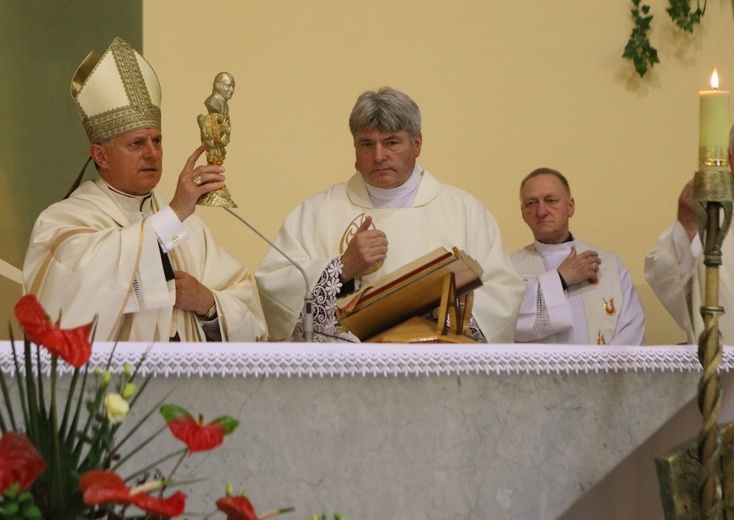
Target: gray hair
x=547, y=171
x=385, y=109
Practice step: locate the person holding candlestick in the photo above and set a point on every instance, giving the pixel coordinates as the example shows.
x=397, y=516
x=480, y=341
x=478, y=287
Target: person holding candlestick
x=675, y=271
x=574, y=293
x=674, y=266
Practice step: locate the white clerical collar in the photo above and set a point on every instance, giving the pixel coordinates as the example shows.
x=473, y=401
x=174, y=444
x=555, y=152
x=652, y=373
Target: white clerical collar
x=126, y=200
x=399, y=197
x=555, y=248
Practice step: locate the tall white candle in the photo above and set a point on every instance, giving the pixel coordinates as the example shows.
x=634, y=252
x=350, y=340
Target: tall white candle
x=713, y=124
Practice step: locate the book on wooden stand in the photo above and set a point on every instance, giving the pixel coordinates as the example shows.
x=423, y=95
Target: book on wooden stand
x=391, y=309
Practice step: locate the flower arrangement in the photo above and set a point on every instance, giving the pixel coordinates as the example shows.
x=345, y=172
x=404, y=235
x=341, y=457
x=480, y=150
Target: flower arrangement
x=62, y=460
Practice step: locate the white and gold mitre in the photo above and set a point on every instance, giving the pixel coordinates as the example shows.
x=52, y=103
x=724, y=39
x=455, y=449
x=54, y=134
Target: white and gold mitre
x=116, y=93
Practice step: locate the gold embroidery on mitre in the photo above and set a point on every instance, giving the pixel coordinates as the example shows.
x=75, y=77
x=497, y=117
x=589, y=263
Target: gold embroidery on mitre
x=600, y=339
x=349, y=233
x=116, y=93
x=609, y=306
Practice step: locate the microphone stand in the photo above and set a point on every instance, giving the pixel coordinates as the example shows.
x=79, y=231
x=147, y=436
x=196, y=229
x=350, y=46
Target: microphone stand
x=308, y=299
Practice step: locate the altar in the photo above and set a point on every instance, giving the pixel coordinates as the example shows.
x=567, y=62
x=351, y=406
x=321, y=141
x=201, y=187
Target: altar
x=404, y=431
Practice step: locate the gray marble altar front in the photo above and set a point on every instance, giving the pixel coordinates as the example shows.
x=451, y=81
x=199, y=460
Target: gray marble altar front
x=462, y=444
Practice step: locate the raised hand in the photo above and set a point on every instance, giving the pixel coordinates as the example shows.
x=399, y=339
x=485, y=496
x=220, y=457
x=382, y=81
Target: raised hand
x=686, y=210
x=367, y=247
x=193, y=182
x=579, y=267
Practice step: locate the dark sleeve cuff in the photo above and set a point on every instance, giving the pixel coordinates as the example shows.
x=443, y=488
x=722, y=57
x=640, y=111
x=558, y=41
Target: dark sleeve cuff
x=563, y=282
x=346, y=288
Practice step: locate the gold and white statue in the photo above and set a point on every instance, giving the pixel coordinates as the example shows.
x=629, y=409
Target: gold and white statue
x=215, y=129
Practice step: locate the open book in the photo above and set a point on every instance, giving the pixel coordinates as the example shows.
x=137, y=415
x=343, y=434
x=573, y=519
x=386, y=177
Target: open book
x=412, y=290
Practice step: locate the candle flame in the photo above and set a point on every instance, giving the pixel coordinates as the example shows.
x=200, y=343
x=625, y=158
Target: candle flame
x=715, y=80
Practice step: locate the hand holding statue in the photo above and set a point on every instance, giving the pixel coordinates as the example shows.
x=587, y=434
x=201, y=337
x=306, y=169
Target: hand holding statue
x=195, y=182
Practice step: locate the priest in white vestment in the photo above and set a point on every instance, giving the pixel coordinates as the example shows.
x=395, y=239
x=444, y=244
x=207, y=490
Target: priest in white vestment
x=575, y=293
x=391, y=212
x=674, y=269
x=114, y=249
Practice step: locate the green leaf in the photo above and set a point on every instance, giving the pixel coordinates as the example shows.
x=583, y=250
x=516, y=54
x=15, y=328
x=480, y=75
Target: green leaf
x=12, y=491
x=5, y=391
x=31, y=512
x=638, y=48
x=19, y=379
x=644, y=24
x=154, y=464
x=69, y=402
x=684, y=17
x=173, y=411
x=137, y=426
x=228, y=423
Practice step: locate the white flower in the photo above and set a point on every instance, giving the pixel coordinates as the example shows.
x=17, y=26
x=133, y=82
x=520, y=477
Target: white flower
x=117, y=408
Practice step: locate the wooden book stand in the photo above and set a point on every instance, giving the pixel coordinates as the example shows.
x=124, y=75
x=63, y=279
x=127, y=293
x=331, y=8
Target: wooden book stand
x=453, y=321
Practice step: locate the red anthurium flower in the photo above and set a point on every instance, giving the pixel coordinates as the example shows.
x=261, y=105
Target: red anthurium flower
x=237, y=508
x=196, y=435
x=240, y=508
x=20, y=461
x=32, y=318
x=72, y=345
x=101, y=486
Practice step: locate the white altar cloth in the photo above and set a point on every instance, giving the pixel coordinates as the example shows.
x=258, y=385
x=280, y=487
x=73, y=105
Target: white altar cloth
x=345, y=359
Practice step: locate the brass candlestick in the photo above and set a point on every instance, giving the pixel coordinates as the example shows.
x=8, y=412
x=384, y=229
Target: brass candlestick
x=712, y=187
x=215, y=129
x=691, y=479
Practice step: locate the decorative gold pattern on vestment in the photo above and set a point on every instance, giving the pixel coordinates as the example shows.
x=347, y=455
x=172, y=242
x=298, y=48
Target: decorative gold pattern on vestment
x=600, y=340
x=114, y=330
x=349, y=233
x=609, y=306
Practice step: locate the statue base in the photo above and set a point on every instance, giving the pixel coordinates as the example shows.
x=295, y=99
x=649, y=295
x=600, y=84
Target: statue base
x=219, y=199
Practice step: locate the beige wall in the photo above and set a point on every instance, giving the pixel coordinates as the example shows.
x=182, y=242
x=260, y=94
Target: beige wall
x=503, y=87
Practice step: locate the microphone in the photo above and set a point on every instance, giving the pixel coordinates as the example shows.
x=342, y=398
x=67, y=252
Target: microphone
x=308, y=299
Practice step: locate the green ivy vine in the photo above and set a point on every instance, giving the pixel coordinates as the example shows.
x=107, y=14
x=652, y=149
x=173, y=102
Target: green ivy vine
x=639, y=49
